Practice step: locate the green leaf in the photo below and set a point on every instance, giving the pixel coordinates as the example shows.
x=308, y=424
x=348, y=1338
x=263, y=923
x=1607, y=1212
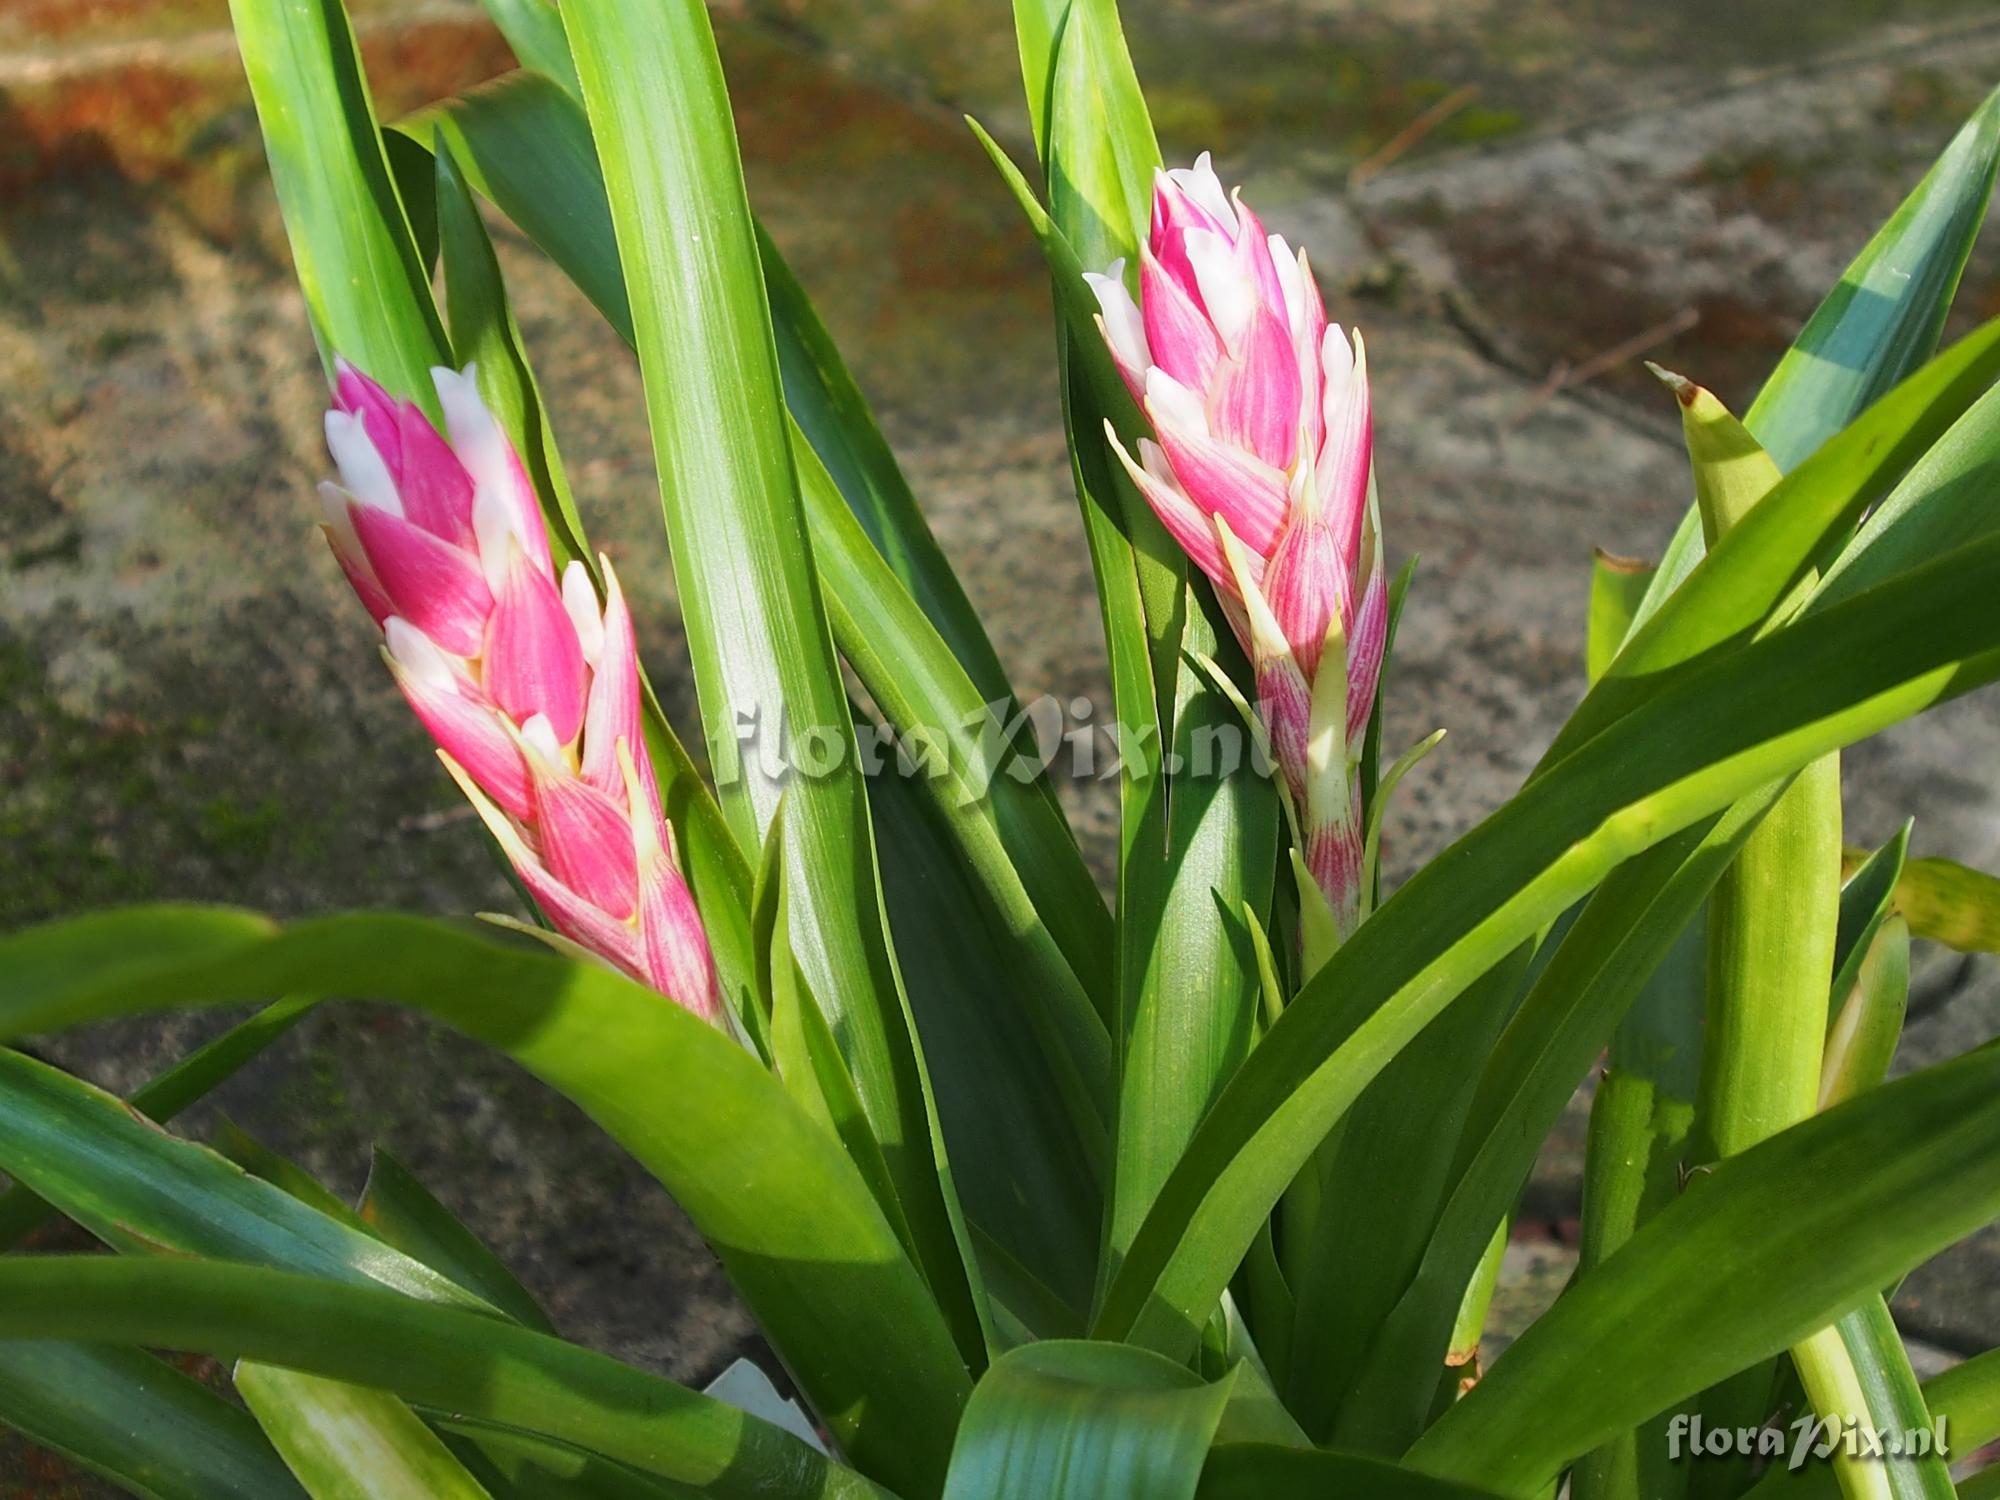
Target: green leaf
x=802, y=1239
x=1720, y=732
x=1192, y=985
x=1028, y=1145
x=237, y=1145
x=1867, y=895
x=1258, y=1471
x=143, y=1191
x=168, y=1093
x=836, y=421
x=479, y=1370
x=1595, y=973
x=1869, y=1024
x=411, y=167
x=1009, y=830
x=525, y=144
x=1940, y=504
x=1637, y=1148
x=1883, y=318
x=1616, y=586
x=763, y=658
x=402, y=1212
x=346, y=1442
x=138, y=1422
x=1036, y=24
x=1066, y=1420
x=1878, y=323
x=1382, y=1187
x=483, y=332
x=534, y=30
x=539, y=1468
x=1100, y=153
x=1858, y=1371
x=1757, y=564
x=1950, y=903
x=366, y=288
x=1767, y=1214
x=1965, y=1398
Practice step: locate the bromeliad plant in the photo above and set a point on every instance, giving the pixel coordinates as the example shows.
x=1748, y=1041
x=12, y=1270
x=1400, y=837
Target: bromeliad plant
x=1203, y=1194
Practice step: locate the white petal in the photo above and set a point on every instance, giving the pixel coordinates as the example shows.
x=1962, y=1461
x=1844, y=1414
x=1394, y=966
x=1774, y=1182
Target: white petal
x=1228, y=295
x=1200, y=183
x=1124, y=325
x=496, y=532
x=482, y=447
x=579, y=597
x=1168, y=401
x=362, y=470
x=541, y=734
x=335, y=502
x=418, y=655
x=1336, y=358
x=1291, y=283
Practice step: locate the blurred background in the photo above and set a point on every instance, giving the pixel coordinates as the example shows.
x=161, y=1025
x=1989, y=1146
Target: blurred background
x=1517, y=200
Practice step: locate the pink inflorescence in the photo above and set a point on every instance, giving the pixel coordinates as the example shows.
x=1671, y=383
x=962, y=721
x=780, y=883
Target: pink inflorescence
x=1262, y=471
x=529, y=686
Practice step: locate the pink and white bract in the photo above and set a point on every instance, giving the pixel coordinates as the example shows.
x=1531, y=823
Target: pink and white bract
x=530, y=688
x=1263, y=473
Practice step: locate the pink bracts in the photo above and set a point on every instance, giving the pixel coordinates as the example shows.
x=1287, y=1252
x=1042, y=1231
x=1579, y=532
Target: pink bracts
x=530, y=688
x=1262, y=472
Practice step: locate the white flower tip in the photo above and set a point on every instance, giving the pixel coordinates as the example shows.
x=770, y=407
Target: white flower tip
x=467, y=421
x=1168, y=401
x=334, y=502
x=1202, y=186
x=645, y=837
x=541, y=735
x=495, y=533
x=1119, y=318
x=418, y=655
x=1153, y=459
x=362, y=470
x=579, y=597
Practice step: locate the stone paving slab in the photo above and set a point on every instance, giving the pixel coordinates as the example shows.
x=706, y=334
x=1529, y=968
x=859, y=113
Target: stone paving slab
x=191, y=704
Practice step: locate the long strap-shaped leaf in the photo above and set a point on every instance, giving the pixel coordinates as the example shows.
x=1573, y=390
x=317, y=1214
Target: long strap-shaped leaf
x=142, y=1190
x=1756, y=565
x=803, y=1240
x=477, y=1369
x=139, y=1422
x=348, y=1442
x=1085, y=1421
x=763, y=658
x=365, y=285
x=1617, y=939
x=1873, y=328
x=1737, y=724
x=1894, y=1176
x=823, y=395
